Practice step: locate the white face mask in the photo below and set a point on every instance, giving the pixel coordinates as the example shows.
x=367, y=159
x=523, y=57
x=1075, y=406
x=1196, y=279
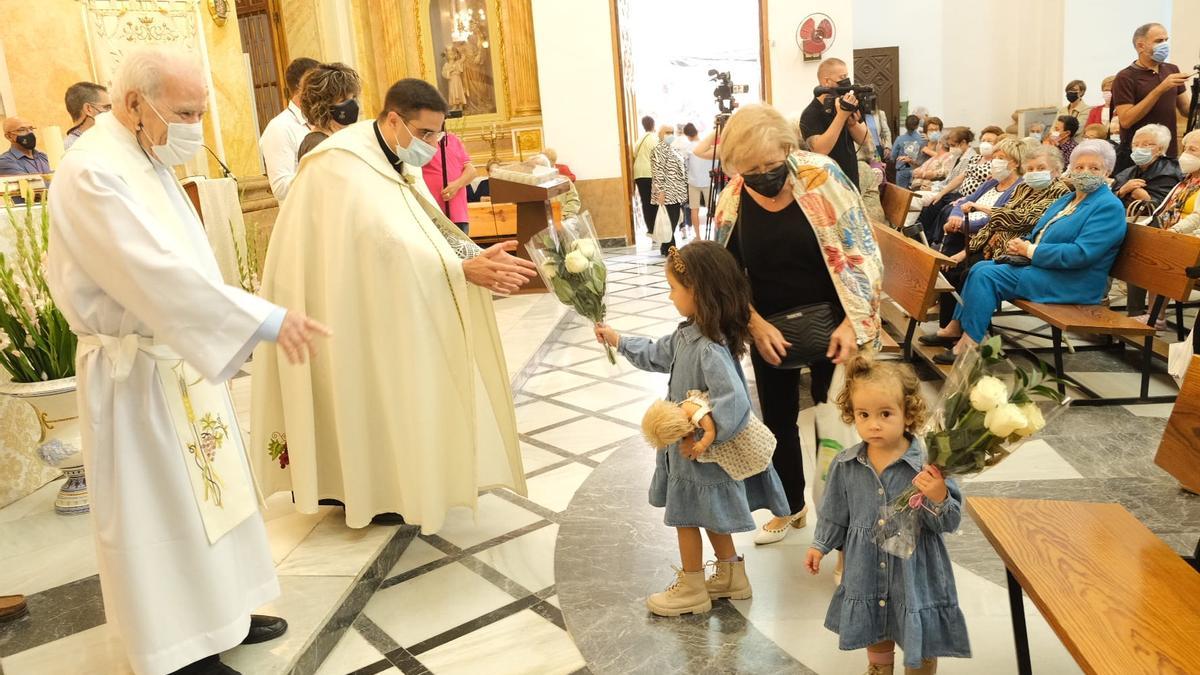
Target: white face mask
x=1000, y=169
x=986, y=148
x=1188, y=163
x=183, y=141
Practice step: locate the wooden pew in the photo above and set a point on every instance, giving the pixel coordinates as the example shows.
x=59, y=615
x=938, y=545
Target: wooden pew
x=896, y=202
x=1179, y=451
x=910, y=280
x=1151, y=258
x=1118, y=597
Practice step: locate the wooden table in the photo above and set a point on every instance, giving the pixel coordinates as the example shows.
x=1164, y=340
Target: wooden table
x=1121, y=600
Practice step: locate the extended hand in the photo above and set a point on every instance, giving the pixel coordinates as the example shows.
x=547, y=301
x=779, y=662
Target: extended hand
x=297, y=334
x=606, y=334
x=812, y=561
x=1174, y=80
x=768, y=341
x=498, y=270
x=931, y=484
x=843, y=343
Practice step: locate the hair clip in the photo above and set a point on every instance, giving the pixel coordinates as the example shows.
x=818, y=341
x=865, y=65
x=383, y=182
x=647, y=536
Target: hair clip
x=676, y=261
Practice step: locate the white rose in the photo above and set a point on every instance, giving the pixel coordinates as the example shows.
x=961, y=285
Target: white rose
x=588, y=247
x=1004, y=420
x=1035, y=422
x=988, y=393
x=576, y=262
x=550, y=269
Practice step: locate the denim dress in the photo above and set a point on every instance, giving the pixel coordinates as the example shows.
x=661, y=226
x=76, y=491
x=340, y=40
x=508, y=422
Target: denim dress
x=883, y=597
x=699, y=494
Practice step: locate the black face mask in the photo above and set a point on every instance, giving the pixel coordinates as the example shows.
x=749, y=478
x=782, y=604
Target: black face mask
x=1072, y=96
x=27, y=141
x=345, y=113
x=768, y=183
x=845, y=82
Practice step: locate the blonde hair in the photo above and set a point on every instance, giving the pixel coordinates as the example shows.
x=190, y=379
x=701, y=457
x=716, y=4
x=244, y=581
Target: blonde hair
x=324, y=87
x=1016, y=151
x=753, y=134
x=664, y=423
x=864, y=369
x=1193, y=135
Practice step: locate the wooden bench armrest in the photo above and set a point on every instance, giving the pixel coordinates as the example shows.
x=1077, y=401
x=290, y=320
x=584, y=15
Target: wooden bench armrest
x=1096, y=319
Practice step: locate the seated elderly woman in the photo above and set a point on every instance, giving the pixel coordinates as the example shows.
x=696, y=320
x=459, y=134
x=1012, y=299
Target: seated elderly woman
x=1065, y=259
x=1178, y=211
x=1153, y=174
x=1039, y=187
x=972, y=170
x=1098, y=132
x=970, y=213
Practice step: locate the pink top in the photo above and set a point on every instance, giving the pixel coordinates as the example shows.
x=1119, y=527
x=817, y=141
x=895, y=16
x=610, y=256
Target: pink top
x=456, y=159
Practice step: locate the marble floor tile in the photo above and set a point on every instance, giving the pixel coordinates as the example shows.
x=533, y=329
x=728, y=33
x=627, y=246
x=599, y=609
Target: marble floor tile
x=631, y=324
x=554, y=489
x=40, y=500
x=1127, y=384
x=663, y=312
x=585, y=435
x=639, y=292
x=333, y=549
x=416, y=554
x=601, y=456
x=602, y=395
x=554, y=601
x=307, y=602
x=635, y=307
x=1034, y=460
x=496, y=516
x=655, y=383
x=567, y=355
x=631, y=412
x=545, y=649
x=534, y=416
x=1162, y=410
x=351, y=653
x=534, y=458
x=432, y=603
x=527, y=559
x=554, y=382
x=286, y=527
x=96, y=650
x=602, y=368
x=46, y=550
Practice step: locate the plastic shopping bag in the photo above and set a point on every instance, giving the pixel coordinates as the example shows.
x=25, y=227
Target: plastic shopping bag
x=663, y=231
x=833, y=435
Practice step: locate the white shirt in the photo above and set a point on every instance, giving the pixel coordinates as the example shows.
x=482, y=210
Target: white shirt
x=280, y=142
x=698, y=168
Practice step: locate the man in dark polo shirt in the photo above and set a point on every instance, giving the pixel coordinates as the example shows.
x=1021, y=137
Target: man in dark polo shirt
x=1149, y=91
x=836, y=133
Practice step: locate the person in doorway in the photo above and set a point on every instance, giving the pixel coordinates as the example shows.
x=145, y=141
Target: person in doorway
x=832, y=125
x=329, y=100
x=280, y=141
x=642, y=172
x=1149, y=91
x=84, y=100
x=668, y=182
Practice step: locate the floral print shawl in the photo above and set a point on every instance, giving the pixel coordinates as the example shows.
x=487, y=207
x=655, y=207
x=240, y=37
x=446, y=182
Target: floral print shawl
x=835, y=211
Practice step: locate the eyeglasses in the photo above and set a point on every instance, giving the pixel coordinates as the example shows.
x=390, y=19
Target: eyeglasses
x=102, y=108
x=25, y=130
x=428, y=135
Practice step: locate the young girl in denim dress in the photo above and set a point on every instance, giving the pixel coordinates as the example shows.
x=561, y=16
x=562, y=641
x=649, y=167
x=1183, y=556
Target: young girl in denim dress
x=885, y=601
x=712, y=294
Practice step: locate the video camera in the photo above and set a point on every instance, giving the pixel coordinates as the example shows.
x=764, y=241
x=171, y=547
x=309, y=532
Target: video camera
x=725, y=91
x=867, y=98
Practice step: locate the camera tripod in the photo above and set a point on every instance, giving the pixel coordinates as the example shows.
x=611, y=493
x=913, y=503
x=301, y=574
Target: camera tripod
x=716, y=175
x=1194, y=108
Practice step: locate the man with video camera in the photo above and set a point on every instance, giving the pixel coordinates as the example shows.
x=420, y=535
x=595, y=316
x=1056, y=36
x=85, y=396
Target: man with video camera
x=832, y=124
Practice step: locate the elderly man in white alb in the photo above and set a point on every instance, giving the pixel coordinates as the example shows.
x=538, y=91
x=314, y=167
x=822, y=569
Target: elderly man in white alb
x=180, y=543
x=280, y=142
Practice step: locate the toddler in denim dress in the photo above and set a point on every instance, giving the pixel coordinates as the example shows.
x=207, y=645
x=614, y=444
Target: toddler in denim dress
x=885, y=601
x=712, y=294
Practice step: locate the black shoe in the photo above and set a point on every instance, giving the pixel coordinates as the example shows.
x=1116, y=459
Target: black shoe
x=387, y=519
x=264, y=628
x=946, y=358
x=209, y=665
x=330, y=501
x=936, y=340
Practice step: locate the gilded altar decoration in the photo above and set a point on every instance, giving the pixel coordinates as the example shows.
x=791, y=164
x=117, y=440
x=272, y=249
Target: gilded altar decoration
x=114, y=27
x=462, y=40
x=219, y=10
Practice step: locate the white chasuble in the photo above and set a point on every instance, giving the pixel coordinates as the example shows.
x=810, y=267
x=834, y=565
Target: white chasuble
x=130, y=268
x=409, y=408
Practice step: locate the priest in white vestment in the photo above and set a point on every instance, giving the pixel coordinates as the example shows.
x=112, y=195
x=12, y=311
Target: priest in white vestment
x=181, y=546
x=410, y=412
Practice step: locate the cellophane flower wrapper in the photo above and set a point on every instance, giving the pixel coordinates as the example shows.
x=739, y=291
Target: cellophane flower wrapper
x=571, y=263
x=987, y=409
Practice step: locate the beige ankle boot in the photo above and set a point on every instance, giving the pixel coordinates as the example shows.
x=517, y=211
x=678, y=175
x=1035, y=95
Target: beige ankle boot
x=880, y=669
x=928, y=667
x=729, y=580
x=687, y=595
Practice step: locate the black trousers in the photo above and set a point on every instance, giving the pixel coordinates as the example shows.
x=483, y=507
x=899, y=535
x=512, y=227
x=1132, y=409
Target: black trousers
x=673, y=212
x=779, y=397
x=649, y=208
x=933, y=218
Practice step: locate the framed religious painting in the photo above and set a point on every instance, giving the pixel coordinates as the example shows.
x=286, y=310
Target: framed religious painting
x=465, y=59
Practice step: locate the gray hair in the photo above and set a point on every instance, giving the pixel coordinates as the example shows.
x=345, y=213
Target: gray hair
x=1096, y=147
x=146, y=70
x=1189, y=137
x=1162, y=135
x=1051, y=154
x=1142, y=31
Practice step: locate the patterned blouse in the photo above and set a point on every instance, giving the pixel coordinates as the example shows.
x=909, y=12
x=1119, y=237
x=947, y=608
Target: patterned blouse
x=668, y=175
x=1015, y=219
x=977, y=173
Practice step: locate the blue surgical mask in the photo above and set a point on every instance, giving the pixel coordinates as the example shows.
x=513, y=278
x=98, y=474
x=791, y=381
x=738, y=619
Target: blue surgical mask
x=1087, y=183
x=1038, y=180
x=1161, y=51
x=670, y=139
x=1141, y=156
x=418, y=152
x=935, y=135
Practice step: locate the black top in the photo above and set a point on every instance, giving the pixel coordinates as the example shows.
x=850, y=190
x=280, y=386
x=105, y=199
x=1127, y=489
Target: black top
x=782, y=257
x=1135, y=83
x=814, y=121
x=1161, y=176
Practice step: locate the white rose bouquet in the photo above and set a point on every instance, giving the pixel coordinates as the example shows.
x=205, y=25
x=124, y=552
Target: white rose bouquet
x=570, y=261
x=978, y=420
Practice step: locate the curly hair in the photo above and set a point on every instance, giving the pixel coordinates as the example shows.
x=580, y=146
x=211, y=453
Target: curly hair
x=864, y=369
x=325, y=86
x=721, y=290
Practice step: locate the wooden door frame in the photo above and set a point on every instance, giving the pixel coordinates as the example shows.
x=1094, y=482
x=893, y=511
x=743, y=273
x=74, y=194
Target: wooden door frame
x=897, y=124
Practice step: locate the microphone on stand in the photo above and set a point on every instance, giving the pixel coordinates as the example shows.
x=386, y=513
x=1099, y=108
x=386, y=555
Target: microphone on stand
x=228, y=173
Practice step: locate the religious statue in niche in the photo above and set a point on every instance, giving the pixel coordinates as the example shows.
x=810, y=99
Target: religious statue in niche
x=461, y=36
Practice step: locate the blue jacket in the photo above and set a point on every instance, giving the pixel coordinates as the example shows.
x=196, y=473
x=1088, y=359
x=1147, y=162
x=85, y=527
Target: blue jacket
x=975, y=224
x=1073, y=259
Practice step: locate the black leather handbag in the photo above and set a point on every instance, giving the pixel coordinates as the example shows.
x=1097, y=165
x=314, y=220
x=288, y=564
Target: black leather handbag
x=1014, y=260
x=808, y=328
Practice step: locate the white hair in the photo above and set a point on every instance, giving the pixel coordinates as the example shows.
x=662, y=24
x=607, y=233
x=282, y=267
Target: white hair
x=1162, y=135
x=1193, y=135
x=146, y=70
x=1049, y=153
x=540, y=160
x=1102, y=149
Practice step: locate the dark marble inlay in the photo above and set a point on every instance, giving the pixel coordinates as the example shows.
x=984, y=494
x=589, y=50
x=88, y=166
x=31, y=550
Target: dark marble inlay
x=54, y=613
x=612, y=551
